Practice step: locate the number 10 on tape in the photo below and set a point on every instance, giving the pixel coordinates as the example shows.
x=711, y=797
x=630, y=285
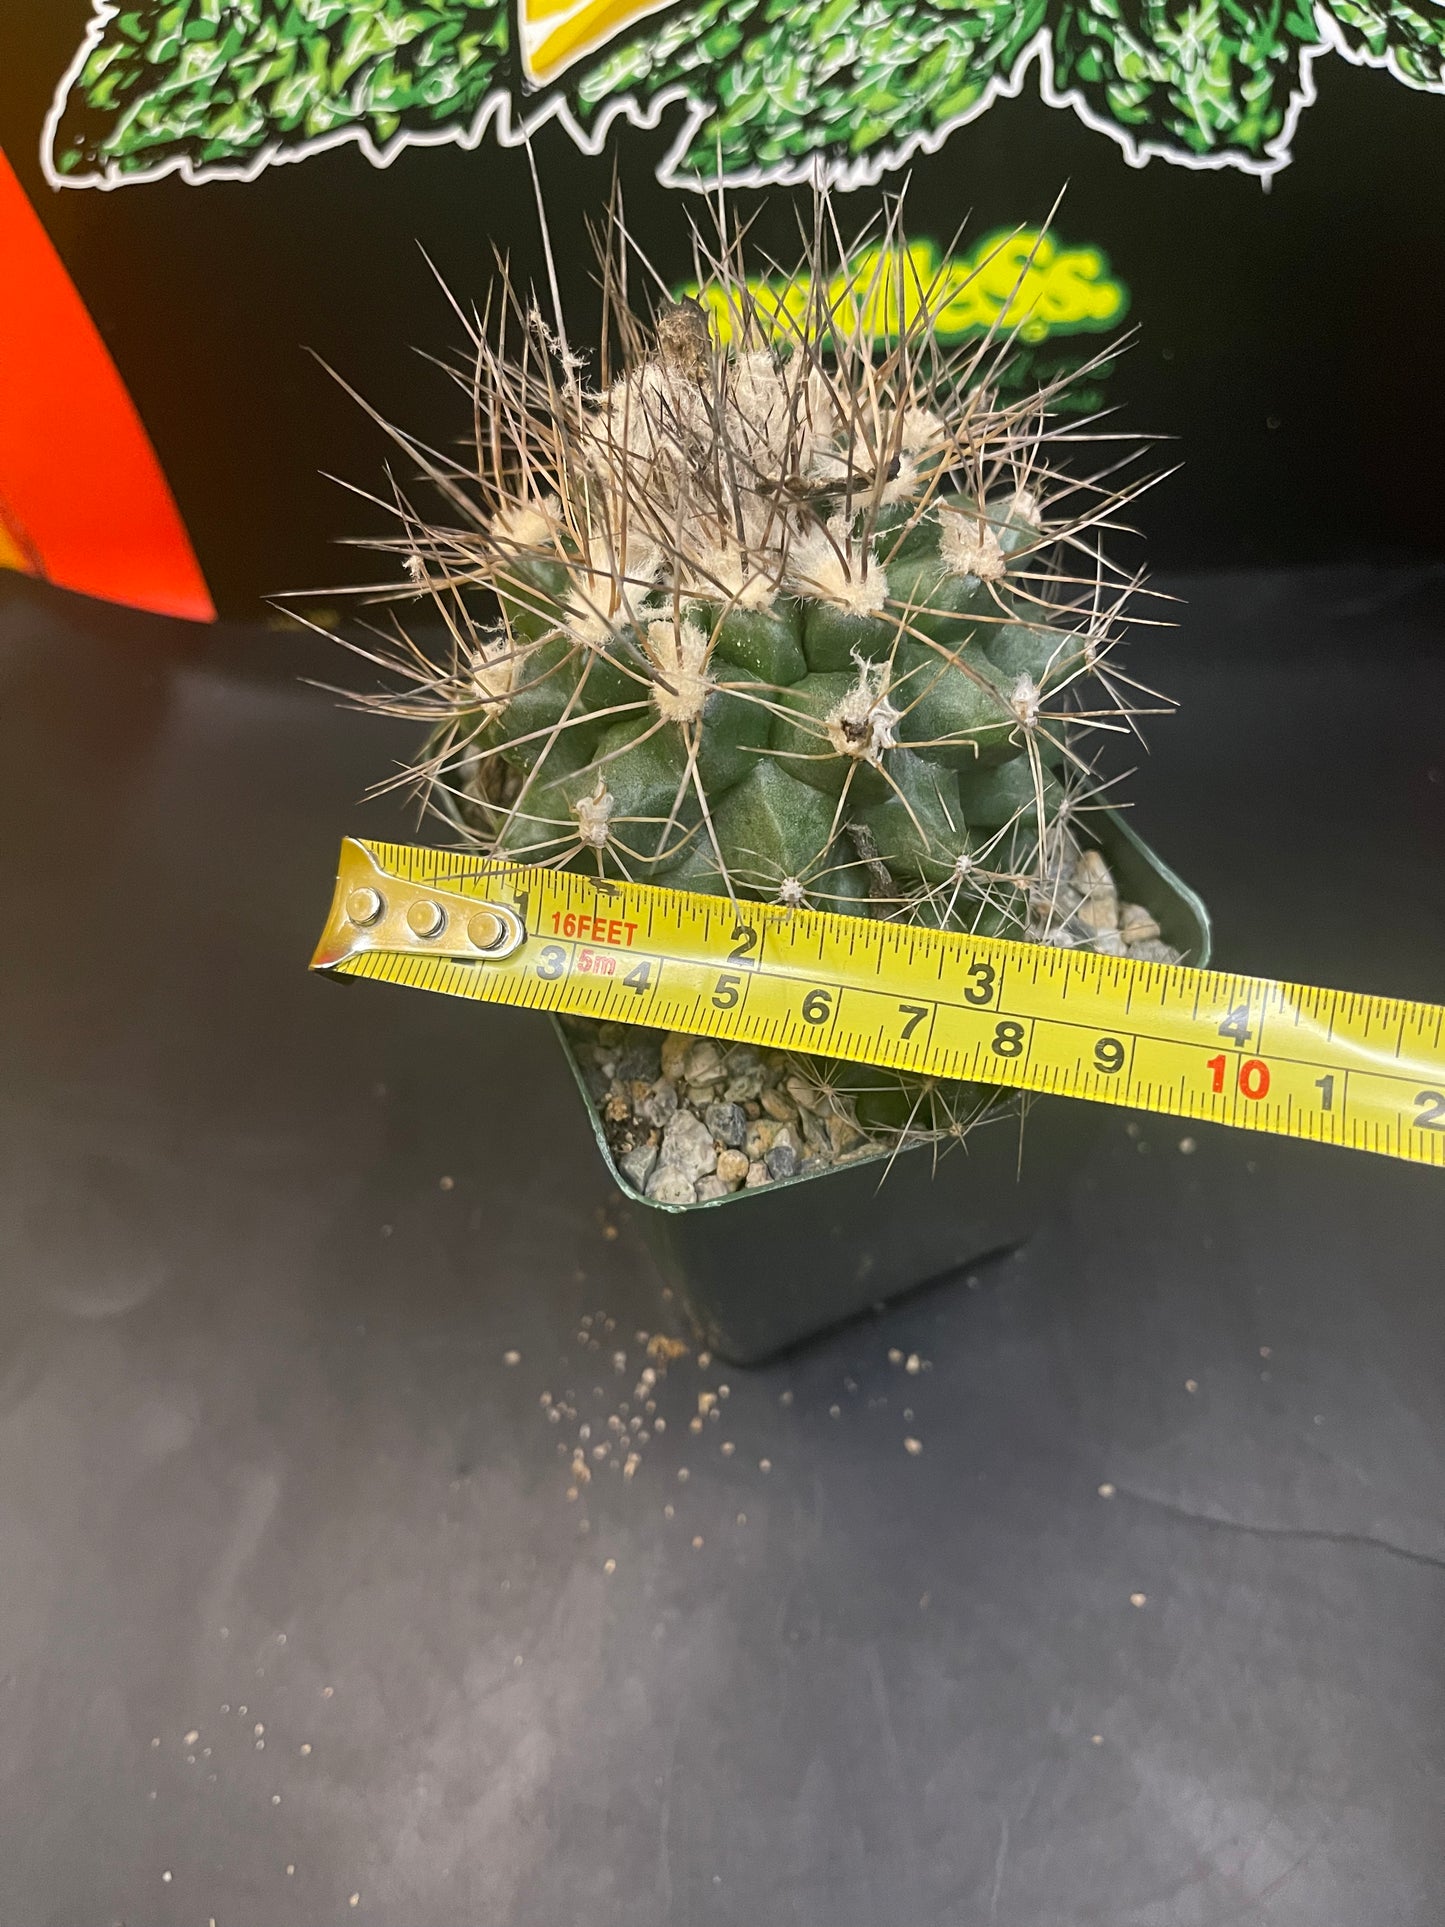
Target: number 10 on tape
x=1330, y=1066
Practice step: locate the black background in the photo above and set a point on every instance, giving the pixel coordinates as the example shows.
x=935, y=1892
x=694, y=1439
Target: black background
x=1289, y=334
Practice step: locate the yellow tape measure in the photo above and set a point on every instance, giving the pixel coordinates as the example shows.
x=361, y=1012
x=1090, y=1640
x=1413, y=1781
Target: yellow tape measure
x=1328, y=1065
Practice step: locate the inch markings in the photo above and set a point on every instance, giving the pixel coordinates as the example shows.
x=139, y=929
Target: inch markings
x=1327, y=1066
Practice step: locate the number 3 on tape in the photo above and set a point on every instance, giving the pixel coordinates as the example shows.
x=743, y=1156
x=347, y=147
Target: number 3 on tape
x=1327, y=1065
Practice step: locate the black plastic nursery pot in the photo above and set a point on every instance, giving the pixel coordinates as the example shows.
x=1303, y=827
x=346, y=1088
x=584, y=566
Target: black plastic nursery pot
x=760, y=1270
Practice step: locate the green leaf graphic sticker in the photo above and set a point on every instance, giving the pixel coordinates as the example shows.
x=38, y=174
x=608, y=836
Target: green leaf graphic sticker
x=771, y=90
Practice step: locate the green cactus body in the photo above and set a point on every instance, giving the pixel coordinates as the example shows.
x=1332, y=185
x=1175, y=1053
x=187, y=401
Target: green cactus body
x=805, y=699
x=784, y=622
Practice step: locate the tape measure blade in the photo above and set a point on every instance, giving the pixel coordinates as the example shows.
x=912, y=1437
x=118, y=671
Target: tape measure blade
x=1326, y=1066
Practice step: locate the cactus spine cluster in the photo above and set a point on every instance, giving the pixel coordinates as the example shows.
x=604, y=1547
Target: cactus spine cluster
x=813, y=615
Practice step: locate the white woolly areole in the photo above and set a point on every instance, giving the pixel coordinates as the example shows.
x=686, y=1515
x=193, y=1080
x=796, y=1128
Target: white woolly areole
x=1025, y=701
x=607, y=583
x=791, y=893
x=968, y=545
x=678, y=652
x=861, y=726
x=594, y=814
x=523, y=526
x=921, y=437
x=921, y=431
x=493, y=673
x=647, y=416
x=1024, y=507
x=723, y=573
x=906, y=485
x=833, y=566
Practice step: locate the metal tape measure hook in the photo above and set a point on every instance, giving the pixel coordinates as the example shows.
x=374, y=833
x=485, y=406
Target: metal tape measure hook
x=373, y=910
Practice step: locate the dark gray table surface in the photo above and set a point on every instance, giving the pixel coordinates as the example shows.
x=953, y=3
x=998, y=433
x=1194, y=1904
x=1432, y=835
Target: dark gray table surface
x=297, y=1622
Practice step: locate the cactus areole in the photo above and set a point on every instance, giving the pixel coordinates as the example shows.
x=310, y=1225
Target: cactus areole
x=815, y=616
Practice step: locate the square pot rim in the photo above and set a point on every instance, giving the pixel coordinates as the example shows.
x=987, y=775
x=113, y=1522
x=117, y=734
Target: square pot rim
x=1189, y=904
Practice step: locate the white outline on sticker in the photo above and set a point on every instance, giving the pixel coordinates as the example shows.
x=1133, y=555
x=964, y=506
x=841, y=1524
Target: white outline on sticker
x=499, y=112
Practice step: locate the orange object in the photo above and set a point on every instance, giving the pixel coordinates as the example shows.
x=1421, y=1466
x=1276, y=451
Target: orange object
x=84, y=502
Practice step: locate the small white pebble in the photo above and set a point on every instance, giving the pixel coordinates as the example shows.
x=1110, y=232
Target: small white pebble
x=511, y=1358
x=1265, y=1351
x=447, y=1184
x=290, y=1868
x=724, y=1391
x=659, y=1425
x=913, y=1364
x=697, y=1542
x=694, y=1425
x=835, y=1411
x=1188, y=1146
x=785, y=1398
x=157, y=1740
x=275, y=1799
x=913, y=1447
x=704, y=1359
x=765, y=1465
x=609, y=1566
x=683, y=1475
x=258, y=1729
x=355, y=1901
x=667, y=1512
x=260, y=1746
x=305, y=1748
x=895, y=1357
x=1191, y=1384
x=517, y=1659
x=1138, y=1599
x=166, y=1876
x=1096, y=1739
x=742, y=1518
x=727, y=1448
x=192, y=1737
x=1106, y=1491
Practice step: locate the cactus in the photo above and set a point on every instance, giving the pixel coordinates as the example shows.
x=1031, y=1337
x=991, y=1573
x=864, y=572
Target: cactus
x=814, y=618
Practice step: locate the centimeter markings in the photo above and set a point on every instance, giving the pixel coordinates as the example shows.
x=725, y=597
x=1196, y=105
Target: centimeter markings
x=1334, y=1067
